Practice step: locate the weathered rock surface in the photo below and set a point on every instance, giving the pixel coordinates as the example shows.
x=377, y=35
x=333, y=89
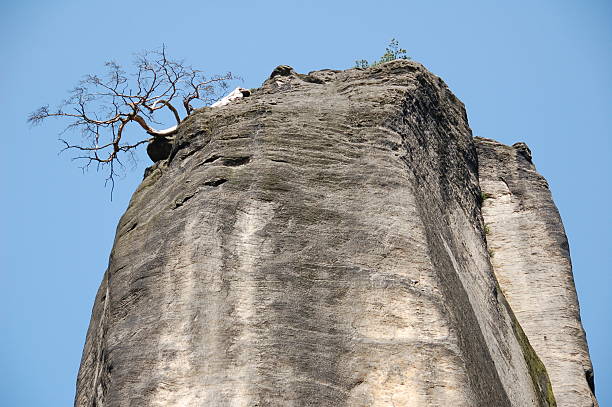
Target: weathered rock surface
x=532, y=264
x=319, y=243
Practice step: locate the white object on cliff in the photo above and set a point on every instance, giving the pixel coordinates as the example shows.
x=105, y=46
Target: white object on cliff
x=235, y=94
x=168, y=131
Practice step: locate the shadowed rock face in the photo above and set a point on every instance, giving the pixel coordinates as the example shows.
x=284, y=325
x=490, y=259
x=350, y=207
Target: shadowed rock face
x=318, y=243
x=532, y=264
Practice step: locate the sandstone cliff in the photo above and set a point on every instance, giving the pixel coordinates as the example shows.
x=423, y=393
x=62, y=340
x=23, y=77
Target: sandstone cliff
x=532, y=264
x=321, y=243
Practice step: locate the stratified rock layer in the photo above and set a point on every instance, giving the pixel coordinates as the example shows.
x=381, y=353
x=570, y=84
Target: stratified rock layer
x=532, y=264
x=318, y=243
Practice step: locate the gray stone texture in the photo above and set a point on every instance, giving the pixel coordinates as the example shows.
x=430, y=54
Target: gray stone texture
x=319, y=243
x=532, y=263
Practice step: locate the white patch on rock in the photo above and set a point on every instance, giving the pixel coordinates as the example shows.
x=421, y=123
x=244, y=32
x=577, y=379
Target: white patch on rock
x=233, y=95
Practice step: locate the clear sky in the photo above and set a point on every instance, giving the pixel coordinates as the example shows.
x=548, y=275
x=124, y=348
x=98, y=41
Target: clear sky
x=532, y=71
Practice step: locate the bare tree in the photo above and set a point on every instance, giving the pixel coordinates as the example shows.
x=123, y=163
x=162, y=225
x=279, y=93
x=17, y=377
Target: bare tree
x=102, y=107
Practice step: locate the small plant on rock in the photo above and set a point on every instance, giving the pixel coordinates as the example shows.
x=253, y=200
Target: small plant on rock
x=392, y=52
x=362, y=63
x=487, y=229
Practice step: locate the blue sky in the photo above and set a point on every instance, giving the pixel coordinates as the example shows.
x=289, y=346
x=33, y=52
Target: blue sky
x=532, y=71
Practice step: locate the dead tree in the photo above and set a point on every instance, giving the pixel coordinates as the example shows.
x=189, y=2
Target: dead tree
x=102, y=107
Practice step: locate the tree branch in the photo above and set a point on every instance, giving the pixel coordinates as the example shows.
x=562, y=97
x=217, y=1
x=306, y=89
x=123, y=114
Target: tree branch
x=102, y=107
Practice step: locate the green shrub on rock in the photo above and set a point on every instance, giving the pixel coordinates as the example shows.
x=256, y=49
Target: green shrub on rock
x=392, y=52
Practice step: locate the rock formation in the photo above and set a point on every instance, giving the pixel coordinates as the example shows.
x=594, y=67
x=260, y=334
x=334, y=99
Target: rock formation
x=532, y=264
x=321, y=243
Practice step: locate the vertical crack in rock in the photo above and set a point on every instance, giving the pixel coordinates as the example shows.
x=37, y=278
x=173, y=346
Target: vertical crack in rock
x=342, y=264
